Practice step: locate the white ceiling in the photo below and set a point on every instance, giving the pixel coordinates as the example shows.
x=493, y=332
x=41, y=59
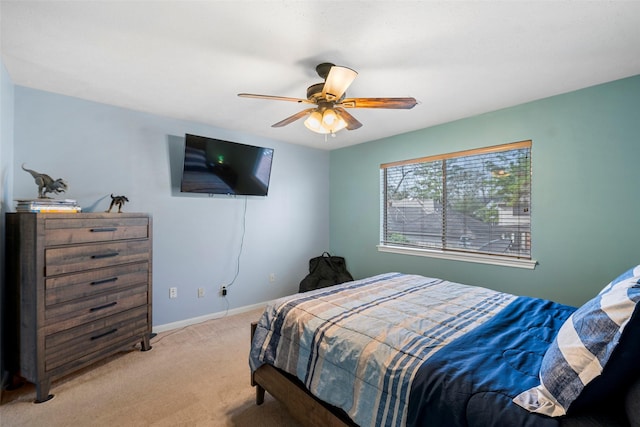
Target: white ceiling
x=190, y=59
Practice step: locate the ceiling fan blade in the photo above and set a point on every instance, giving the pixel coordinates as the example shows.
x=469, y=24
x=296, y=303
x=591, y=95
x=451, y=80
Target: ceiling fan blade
x=293, y=118
x=352, y=122
x=276, y=98
x=337, y=82
x=394, y=103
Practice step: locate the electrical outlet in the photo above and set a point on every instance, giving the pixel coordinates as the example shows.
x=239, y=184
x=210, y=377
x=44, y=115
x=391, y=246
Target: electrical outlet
x=200, y=292
x=272, y=277
x=173, y=292
x=223, y=291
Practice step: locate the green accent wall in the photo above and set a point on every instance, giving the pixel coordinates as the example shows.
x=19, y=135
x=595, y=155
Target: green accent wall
x=585, y=192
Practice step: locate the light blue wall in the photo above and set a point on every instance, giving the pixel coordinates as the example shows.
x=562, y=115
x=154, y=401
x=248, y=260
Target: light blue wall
x=100, y=149
x=6, y=138
x=6, y=169
x=585, y=196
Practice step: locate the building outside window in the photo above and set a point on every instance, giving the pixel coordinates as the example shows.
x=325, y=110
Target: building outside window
x=473, y=205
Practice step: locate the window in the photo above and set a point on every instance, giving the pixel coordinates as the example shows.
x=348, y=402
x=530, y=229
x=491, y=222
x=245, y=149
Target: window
x=473, y=205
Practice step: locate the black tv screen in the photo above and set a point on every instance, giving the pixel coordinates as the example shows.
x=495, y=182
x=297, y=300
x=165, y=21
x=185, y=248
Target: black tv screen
x=215, y=166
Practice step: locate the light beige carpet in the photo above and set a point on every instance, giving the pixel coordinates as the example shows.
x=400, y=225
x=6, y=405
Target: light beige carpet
x=194, y=376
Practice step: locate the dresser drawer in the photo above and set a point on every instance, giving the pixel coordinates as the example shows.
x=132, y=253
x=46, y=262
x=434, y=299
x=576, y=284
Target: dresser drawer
x=65, y=231
x=65, y=288
x=71, y=259
x=95, y=337
x=74, y=313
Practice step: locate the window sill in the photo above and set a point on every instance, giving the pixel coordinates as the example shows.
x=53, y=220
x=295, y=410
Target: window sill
x=457, y=256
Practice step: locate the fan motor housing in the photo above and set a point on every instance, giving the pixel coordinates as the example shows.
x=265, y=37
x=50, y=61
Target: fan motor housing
x=314, y=92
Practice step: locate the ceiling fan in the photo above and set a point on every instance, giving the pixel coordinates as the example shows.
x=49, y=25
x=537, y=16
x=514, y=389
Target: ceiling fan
x=329, y=116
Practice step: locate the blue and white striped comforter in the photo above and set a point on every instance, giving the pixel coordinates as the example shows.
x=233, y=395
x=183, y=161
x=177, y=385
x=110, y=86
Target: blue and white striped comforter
x=358, y=345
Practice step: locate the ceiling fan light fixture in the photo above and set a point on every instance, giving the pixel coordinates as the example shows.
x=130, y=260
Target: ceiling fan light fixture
x=329, y=121
x=314, y=122
x=337, y=124
x=329, y=118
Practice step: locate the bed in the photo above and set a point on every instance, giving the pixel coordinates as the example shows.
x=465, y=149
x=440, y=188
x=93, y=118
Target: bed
x=399, y=349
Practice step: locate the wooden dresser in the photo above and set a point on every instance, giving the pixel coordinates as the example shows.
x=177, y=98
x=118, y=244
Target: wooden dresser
x=78, y=290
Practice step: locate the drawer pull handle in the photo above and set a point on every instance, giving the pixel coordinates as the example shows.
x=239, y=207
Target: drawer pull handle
x=103, y=230
x=105, y=334
x=107, y=255
x=103, y=281
x=102, y=307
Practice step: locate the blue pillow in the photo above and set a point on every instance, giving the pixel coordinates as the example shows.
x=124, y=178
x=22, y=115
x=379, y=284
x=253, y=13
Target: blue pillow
x=592, y=336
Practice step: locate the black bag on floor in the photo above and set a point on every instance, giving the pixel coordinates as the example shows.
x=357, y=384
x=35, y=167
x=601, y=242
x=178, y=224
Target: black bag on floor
x=325, y=270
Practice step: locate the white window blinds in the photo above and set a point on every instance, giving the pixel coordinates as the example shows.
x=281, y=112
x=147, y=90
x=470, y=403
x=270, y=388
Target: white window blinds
x=476, y=201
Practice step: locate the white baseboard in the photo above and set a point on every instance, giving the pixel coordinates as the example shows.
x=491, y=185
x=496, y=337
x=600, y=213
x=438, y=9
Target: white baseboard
x=200, y=319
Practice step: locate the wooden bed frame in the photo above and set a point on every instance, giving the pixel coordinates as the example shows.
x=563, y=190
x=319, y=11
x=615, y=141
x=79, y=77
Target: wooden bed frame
x=302, y=405
x=312, y=412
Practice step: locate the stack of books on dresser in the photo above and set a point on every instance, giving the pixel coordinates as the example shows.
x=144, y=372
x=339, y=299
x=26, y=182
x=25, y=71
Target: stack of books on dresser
x=48, y=205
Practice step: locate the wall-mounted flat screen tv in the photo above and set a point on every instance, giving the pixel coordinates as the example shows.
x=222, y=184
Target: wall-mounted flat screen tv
x=215, y=166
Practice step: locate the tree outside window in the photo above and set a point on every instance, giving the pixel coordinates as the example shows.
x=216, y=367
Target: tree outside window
x=476, y=201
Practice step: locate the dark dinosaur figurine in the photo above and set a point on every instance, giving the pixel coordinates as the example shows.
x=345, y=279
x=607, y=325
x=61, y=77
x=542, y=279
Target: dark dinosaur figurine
x=117, y=201
x=46, y=184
